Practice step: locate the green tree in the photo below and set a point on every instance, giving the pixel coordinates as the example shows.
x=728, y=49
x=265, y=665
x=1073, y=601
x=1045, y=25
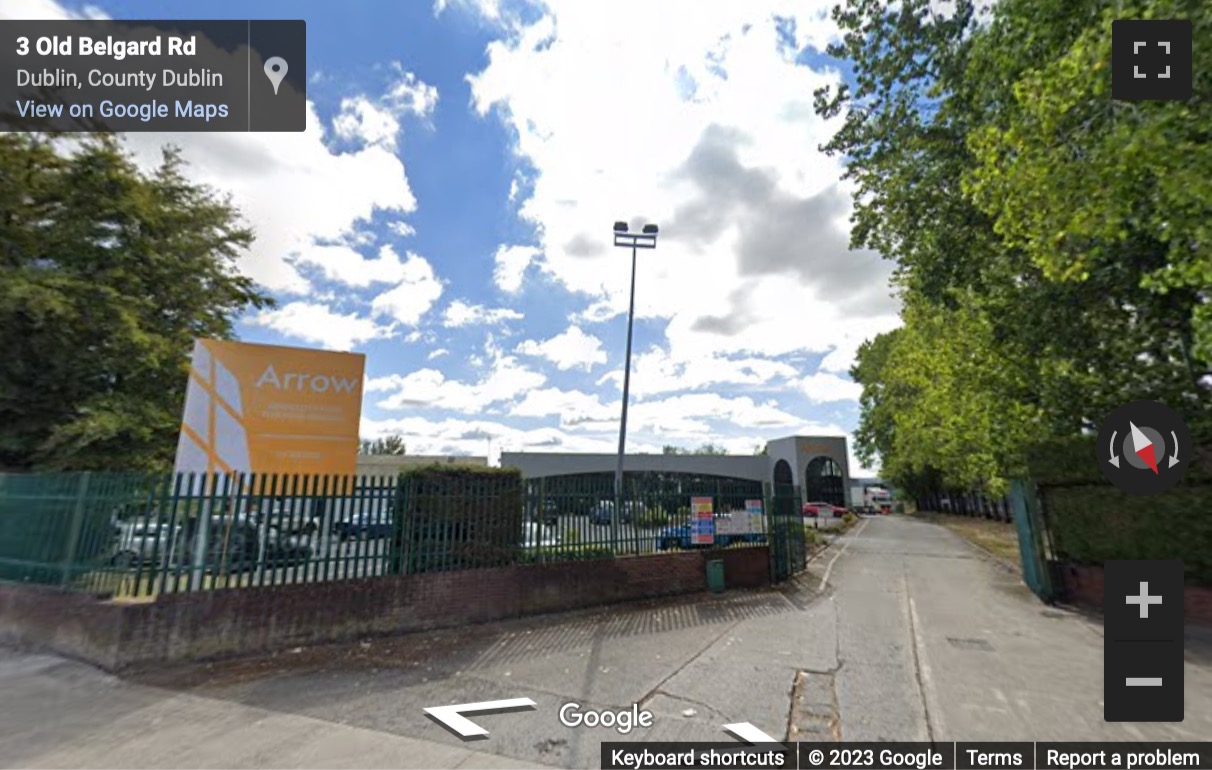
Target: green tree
x=968, y=416
x=1115, y=194
x=387, y=445
x=108, y=275
x=705, y=449
x=1049, y=269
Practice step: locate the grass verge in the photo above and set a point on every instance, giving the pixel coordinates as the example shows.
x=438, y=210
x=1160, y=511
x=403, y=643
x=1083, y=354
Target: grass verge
x=997, y=537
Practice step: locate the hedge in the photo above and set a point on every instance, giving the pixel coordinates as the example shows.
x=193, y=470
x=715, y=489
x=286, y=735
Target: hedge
x=1091, y=521
x=457, y=517
x=563, y=553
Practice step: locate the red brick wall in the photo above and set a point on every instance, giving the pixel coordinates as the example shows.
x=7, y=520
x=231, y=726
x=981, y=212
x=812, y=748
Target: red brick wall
x=1084, y=585
x=746, y=567
x=215, y=624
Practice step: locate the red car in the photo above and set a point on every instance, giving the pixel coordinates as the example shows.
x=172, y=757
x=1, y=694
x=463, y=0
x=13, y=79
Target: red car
x=813, y=510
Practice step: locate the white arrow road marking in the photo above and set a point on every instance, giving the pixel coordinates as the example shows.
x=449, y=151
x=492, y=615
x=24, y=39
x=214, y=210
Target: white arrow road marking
x=452, y=717
x=749, y=733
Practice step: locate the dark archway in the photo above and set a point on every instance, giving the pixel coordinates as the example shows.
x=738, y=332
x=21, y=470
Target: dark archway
x=823, y=482
x=782, y=474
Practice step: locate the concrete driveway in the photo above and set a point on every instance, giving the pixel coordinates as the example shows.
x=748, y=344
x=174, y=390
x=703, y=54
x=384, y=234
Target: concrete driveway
x=899, y=631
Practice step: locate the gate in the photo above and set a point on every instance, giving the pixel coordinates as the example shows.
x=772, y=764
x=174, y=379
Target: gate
x=1033, y=545
x=788, y=552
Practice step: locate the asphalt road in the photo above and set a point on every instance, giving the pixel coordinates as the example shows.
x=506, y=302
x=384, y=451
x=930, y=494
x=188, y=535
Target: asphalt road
x=899, y=631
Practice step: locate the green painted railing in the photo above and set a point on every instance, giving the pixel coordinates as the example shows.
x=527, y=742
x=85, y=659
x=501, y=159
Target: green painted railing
x=134, y=535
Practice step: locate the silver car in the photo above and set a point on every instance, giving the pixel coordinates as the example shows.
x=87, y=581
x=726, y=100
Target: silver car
x=143, y=541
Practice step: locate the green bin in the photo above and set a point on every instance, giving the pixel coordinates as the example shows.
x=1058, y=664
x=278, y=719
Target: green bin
x=715, y=576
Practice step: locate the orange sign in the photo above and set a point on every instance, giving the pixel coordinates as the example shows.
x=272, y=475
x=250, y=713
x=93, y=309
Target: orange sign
x=270, y=409
x=819, y=449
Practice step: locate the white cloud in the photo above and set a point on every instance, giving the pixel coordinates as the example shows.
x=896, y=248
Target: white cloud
x=718, y=145
x=845, y=349
x=345, y=265
x=316, y=323
x=823, y=387
x=599, y=311
x=376, y=121
x=379, y=384
x=484, y=437
x=469, y=436
x=437, y=354
x=655, y=372
x=409, y=94
x=573, y=407
x=511, y=265
x=291, y=188
x=417, y=291
x=460, y=313
x=505, y=380
x=567, y=350
x=694, y=414
x=692, y=417
x=361, y=120
x=48, y=10
x=489, y=9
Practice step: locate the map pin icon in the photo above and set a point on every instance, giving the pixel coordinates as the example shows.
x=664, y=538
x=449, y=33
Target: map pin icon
x=275, y=70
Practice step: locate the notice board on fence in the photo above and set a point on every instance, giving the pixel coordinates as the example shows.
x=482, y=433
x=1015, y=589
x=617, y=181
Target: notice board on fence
x=746, y=522
x=702, y=522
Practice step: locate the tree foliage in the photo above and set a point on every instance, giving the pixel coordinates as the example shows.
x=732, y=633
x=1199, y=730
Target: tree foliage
x=107, y=275
x=387, y=445
x=705, y=449
x=1051, y=245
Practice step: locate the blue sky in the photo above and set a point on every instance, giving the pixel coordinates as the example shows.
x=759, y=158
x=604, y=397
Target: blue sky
x=448, y=214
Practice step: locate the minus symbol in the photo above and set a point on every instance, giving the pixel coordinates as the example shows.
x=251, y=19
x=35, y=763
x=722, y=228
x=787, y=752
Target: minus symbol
x=1144, y=681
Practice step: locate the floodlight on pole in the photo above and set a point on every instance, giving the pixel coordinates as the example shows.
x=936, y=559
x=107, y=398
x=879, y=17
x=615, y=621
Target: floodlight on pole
x=646, y=239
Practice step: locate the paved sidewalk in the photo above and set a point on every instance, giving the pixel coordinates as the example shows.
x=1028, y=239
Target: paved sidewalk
x=899, y=631
x=63, y=714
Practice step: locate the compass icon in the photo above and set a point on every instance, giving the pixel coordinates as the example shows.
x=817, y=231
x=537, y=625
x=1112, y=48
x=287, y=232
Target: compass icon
x=1143, y=448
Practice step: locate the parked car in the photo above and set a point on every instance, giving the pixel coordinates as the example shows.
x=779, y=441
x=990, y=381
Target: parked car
x=232, y=543
x=286, y=550
x=814, y=510
x=139, y=542
x=548, y=512
x=535, y=536
x=603, y=512
x=289, y=515
x=680, y=536
x=362, y=526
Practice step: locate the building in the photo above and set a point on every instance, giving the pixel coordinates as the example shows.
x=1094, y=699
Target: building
x=817, y=465
x=389, y=465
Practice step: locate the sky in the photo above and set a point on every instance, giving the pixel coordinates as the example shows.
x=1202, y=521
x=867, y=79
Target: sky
x=448, y=213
